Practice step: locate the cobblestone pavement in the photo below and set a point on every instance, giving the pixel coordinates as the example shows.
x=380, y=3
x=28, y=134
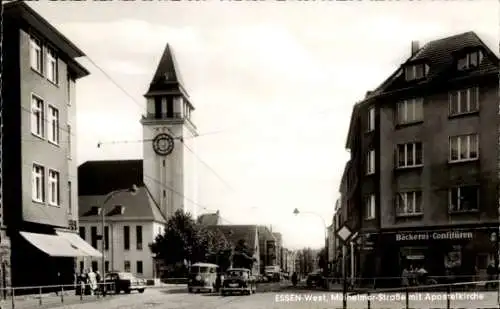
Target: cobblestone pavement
x=274, y=299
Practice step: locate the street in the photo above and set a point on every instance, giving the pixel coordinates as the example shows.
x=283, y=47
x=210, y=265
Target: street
x=274, y=296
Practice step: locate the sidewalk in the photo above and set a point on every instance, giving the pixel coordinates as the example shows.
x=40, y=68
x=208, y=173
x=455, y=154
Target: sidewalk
x=47, y=300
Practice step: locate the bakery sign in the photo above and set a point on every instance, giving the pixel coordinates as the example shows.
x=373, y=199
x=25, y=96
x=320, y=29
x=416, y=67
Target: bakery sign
x=449, y=235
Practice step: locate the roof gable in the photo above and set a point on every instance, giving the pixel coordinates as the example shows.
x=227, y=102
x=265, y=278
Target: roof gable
x=167, y=78
x=135, y=207
x=235, y=233
x=102, y=177
x=440, y=56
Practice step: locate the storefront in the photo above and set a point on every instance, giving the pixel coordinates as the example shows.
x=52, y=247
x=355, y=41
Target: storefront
x=457, y=254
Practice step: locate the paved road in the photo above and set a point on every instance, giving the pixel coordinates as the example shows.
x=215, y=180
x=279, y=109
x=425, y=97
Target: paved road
x=275, y=299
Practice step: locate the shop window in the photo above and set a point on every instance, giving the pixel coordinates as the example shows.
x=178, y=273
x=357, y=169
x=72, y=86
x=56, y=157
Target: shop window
x=453, y=258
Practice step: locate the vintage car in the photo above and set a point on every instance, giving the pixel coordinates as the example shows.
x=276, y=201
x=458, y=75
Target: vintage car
x=202, y=277
x=239, y=280
x=314, y=279
x=123, y=281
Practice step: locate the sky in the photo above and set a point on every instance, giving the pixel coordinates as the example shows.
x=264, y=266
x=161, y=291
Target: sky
x=273, y=84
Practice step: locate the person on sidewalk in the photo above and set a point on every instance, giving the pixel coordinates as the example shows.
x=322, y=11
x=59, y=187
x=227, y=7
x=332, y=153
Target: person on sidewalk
x=92, y=281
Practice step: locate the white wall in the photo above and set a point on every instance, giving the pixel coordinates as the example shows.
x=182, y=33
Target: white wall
x=178, y=176
x=117, y=255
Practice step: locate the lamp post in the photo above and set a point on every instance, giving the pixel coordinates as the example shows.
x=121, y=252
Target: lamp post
x=107, y=198
x=297, y=212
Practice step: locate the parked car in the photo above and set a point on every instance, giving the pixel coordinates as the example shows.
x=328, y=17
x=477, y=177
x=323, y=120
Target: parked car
x=202, y=277
x=314, y=279
x=124, y=281
x=239, y=280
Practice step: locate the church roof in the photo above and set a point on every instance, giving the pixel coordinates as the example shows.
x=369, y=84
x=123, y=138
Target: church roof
x=138, y=206
x=102, y=177
x=167, y=78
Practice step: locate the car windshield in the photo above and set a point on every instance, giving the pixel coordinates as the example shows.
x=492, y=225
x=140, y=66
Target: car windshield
x=200, y=269
x=126, y=276
x=237, y=273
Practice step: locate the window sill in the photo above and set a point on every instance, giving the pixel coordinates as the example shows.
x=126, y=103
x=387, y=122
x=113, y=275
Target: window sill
x=40, y=73
x=55, y=83
x=54, y=143
x=54, y=204
x=410, y=215
x=370, y=174
x=369, y=219
x=463, y=115
x=465, y=161
x=408, y=124
x=458, y=212
x=412, y=167
x=369, y=131
x=39, y=202
x=37, y=136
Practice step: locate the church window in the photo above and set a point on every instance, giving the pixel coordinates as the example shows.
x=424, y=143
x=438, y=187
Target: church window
x=157, y=107
x=170, y=107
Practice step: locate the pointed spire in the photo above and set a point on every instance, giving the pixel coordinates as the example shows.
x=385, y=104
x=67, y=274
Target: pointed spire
x=167, y=79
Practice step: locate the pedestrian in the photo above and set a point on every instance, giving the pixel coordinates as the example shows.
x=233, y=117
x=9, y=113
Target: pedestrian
x=98, y=280
x=405, y=277
x=92, y=281
x=218, y=282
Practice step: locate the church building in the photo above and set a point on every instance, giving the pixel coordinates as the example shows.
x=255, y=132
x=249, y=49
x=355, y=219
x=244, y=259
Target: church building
x=166, y=180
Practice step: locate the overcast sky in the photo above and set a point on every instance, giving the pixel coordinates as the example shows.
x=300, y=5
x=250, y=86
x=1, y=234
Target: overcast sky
x=275, y=81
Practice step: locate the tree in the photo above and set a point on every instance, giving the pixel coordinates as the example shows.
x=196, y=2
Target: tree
x=242, y=255
x=178, y=242
x=213, y=247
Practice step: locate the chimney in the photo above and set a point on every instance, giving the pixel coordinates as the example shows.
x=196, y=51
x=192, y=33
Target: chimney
x=415, y=46
x=217, y=212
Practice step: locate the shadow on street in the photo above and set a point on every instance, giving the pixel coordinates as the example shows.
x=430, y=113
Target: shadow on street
x=175, y=291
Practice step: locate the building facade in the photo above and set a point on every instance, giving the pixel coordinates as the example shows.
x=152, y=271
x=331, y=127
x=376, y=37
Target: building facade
x=39, y=112
x=132, y=220
x=425, y=147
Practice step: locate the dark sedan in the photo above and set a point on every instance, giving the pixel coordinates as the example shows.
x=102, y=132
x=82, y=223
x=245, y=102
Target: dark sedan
x=126, y=282
x=314, y=279
x=239, y=280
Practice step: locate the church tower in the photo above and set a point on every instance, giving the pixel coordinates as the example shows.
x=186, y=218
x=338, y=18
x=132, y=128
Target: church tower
x=169, y=163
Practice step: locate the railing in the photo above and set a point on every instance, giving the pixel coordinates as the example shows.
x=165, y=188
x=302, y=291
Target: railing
x=33, y=296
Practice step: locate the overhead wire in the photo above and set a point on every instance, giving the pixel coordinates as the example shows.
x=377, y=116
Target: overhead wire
x=69, y=133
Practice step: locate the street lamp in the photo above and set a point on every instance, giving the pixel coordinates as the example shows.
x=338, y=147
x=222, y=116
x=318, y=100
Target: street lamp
x=297, y=212
x=107, y=198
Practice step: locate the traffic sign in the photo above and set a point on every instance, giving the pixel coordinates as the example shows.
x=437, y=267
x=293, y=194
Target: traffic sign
x=344, y=233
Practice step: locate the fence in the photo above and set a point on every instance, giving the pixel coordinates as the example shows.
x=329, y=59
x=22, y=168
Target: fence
x=47, y=296
x=52, y=295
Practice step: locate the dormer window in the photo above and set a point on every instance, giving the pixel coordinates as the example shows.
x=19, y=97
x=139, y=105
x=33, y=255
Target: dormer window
x=470, y=60
x=416, y=71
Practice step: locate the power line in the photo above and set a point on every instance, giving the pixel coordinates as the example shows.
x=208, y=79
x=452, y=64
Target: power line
x=141, y=106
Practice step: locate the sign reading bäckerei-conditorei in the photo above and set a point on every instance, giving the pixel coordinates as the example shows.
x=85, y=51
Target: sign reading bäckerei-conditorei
x=449, y=235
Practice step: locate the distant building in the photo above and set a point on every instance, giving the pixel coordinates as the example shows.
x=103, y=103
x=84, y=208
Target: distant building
x=279, y=248
x=132, y=221
x=267, y=244
x=247, y=233
x=39, y=217
x=210, y=219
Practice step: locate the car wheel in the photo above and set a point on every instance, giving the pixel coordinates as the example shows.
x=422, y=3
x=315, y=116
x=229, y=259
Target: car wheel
x=190, y=290
x=141, y=290
x=127, y=291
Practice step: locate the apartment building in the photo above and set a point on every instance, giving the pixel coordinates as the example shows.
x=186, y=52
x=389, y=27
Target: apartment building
x=40, y=202
x=424, y=146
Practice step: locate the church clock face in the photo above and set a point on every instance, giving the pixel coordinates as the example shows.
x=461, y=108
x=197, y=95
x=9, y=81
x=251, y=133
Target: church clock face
x=163, y=144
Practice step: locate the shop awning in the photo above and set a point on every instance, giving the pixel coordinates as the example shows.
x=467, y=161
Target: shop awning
x=81, y=244
x=53, y=245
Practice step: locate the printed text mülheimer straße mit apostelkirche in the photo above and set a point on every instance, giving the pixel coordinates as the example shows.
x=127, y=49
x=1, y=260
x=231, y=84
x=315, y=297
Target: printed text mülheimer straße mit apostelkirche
x=379, y=297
